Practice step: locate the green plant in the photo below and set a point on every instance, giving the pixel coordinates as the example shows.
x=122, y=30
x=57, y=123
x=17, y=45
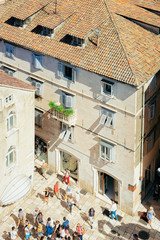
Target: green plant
x=61, y=109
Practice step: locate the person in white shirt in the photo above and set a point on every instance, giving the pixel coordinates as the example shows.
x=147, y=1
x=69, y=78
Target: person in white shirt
x=113, y=210
x=67, y=176
x=35, y=214
x=13, y=234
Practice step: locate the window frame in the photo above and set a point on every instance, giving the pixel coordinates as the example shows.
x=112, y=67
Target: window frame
x=11, y=115
x=61, y=72
x=65, y=95
x=34, y=83
x=151, y=109
x=111, y=149
x=10, y=151
x=10, y=102
x=10, y=52
x=108, y=112
x=39, y=65
x=105, y=82
x=8, y=71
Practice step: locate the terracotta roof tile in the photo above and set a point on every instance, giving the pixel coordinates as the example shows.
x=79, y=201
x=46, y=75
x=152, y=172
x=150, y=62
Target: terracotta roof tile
x=7, y=80
x=126, y=52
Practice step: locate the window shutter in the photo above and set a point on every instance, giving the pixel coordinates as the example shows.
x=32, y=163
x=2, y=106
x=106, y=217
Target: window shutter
x=69, y=101
x=34, y=83
x=61, y=135
x=7, y=50
x=68, y=133
x=102, y=119
x=38, y=61
x=38, y=86
x=108, y=122
x=74, y=74
x=112, y=155
x=151, y=111
x=11, y=51
x=60, y=70
x=63, y=98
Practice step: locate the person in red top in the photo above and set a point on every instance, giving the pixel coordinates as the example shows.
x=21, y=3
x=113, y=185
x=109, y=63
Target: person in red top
x=56, y=190
x=79, y=231
x=67, y=176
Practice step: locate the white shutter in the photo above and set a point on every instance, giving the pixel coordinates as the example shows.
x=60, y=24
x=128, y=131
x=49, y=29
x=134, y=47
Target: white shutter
x=60, y=70
x=69, y=101
x=38, y=86
x=11, y=51
x=37, y=61
x=34, y=83
x=68, y=133
x=7, y=50
x=61, y=135
x=74, y=75
x=108, y=122
x=102, y=119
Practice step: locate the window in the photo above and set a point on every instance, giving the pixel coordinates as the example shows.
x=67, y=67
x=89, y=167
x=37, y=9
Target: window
x=107, y=87
x=74, y=41
x=37, y=85
x=38, y=117
x=9, y=50
x=37, y=61
x=67, y=100
x=9, y=71
x=66, y=133
x=107, y=117
x=11, y=121
x=106, y=151
x=152, y=83
x=10, y=157
x=9, y=100
x=66, y=72
x=151, y=141
x=151, y=111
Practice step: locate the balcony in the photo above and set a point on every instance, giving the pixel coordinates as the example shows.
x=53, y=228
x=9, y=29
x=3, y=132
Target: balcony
x=70, y=120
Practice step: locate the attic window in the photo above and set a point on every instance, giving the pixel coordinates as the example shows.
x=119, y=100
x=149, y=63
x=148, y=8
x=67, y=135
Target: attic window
x=71, y=40
x=43, y=31
x=15, y=22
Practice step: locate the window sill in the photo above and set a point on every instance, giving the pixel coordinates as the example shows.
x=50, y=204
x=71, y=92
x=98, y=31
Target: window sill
x=11, y=132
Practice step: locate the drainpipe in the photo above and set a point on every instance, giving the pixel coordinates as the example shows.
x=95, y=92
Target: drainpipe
x=142, y=133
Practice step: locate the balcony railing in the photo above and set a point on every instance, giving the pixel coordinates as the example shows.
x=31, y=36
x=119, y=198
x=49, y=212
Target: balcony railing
x=70, y=120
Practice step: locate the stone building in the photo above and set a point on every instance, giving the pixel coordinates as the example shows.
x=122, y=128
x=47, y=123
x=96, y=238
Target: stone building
x=99, y=65
x=16, y=139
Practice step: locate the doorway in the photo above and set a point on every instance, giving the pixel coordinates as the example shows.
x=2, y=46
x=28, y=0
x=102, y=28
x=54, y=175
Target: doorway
x=70, y=163
x=40, y=149
x=108, y=186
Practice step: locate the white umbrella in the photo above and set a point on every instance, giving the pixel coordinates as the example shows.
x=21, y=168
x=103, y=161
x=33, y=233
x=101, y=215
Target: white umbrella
x=16, y=189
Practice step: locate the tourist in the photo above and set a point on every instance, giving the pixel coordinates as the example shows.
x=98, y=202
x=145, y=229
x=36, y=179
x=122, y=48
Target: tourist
x=13, y=234
x=49, y=227
x=57, y=228
x=75, y=236
x=62, y=233
x=91, y=214
x=40, y=218
x=113, y=210
x=20, y=217
x=27, y=230
x=35, y=214
x=70, y=203
x=66, y=176
x=79, y=231
x=150, y=214
x=68, y=190
x=44, y=169
x=77, y=198
x=66, y=224
x=46, y=195
x=40, y=231
x=56, y=190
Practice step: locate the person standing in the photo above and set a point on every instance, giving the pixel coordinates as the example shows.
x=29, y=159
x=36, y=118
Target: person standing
x=40, y=230
x=56, y=190
x=49, y=227
x=20, y=217
x=35, y=214
x=44, y=169
x=62, y=232
x=66, y=176
x=46, y=195
x=13, y=234
x=79, y=231
x=40, y=218
x=27, y=230
x=91, y=214
x=66, y=224
x=69, y=190
x=150, y=214
x=113, y=210
x=70, y=203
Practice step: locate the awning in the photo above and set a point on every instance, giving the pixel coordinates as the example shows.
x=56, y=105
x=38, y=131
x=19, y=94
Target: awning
x=18, y=187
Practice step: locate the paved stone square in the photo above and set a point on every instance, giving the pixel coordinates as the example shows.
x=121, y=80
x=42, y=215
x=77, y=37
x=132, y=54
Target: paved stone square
x=104, y=227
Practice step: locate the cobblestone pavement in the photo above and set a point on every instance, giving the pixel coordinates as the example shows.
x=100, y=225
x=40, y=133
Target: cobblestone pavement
x=104, y=227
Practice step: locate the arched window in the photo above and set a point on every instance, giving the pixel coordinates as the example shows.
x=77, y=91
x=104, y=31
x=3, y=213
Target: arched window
x=11, y=157
x=11, y=120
